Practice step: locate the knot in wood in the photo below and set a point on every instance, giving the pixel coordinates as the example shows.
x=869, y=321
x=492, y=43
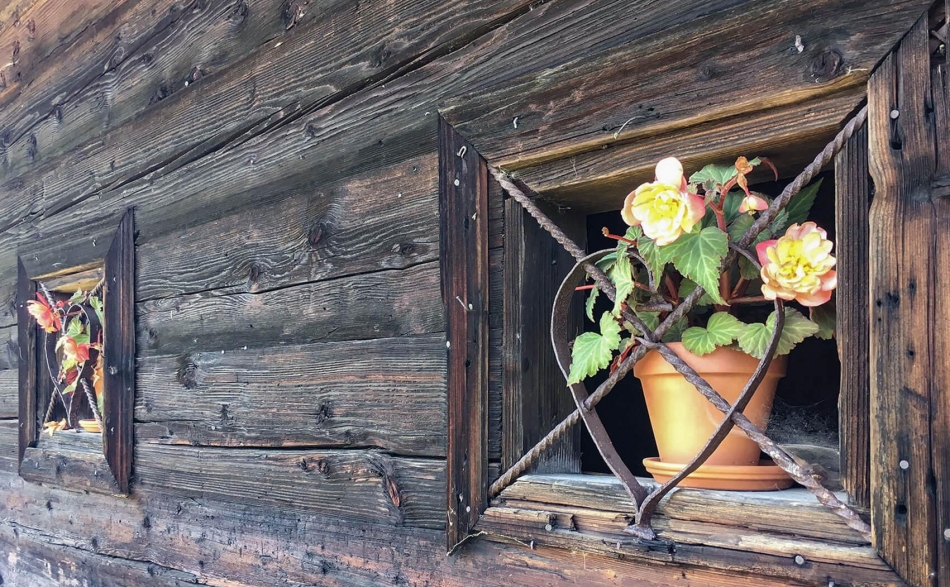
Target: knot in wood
x=187, y=374
x=323, y=413
x=238, y=13
x=291, y=13
x=381, y=55
x=315, y=234
x=826, y=65
x=253, y=274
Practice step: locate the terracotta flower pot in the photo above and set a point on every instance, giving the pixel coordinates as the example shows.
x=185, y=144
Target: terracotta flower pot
x=683, y=420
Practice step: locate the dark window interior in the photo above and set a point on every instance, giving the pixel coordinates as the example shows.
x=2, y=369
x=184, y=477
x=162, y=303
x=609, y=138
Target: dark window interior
x=806, y=404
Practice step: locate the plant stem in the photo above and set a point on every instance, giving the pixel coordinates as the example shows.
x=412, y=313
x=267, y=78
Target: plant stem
x=749, y=300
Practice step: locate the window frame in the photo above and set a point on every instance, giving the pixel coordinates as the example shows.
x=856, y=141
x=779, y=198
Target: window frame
x=78, y=464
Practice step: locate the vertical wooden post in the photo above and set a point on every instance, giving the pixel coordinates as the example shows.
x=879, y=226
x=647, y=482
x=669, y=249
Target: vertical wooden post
x=907, y=270
x=26, y=336
x=119, y=352
x=535, y=395
x=852, y=199
x=463, y=254
x=940, y=401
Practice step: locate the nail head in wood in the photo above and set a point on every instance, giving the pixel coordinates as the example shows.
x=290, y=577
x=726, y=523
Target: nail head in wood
x=946, y=534
x=895, y=114
x=799, y=560
x=904, y=465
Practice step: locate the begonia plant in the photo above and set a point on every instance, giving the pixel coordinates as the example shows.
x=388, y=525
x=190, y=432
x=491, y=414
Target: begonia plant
x=680, y=231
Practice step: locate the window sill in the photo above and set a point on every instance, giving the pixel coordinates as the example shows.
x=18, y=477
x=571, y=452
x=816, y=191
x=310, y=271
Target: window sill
x=69, y=460
x=784, y=534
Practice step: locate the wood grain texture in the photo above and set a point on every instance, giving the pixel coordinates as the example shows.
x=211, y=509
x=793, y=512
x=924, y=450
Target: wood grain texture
x=583, y=102
x=158, y=58
x=71, y=460
x=359, y=485
x=33, y=559
x=278, y=83
x=8, y=347
x=9, y=446
x=534, y=392
x=384, y=219
x=789, y=135
x=387, y=394
x=940, y=400
x=792, y=512
x=9, y=394
x=118, y=351
x=211, y=539
x=852, y=202
x=903, y=293
x=463, y=248
x=380, y=305
x=27, y=367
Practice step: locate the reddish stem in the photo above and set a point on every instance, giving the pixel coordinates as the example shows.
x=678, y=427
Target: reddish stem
x=749, y=300
x=584, y=287
x=622, y=239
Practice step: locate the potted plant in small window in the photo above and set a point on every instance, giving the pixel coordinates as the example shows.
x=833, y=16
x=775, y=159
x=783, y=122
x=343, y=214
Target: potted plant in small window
x=73, y=358
x=680, y=232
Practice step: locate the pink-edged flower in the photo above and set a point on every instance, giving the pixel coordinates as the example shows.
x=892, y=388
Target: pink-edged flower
x=798, y=266
x=664, y=208
x=45, y=316
x=752, y=204
x=75, y=351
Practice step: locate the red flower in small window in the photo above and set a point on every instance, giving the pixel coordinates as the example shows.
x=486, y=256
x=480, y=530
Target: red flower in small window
x=45, y=316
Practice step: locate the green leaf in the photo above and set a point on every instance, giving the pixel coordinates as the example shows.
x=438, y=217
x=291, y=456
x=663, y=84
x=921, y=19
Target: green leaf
x=698, y=257
x=675, y=333
x=656, y=257
x=825, y=316
x=740, y=225
x=96, y=304
x=800, y=205
x=77, y=296
x=606, y=262
x=779, y=224
x=71, y=387
x=724, y=328
x=687, y=286
x=713, y=175
x=633, y=233
x=592, y=351
x=650, y=319
x=697, y=341
x=797, y=328
x=73, y=327
x=622, y=277
x=591, y=300
x=754, y=339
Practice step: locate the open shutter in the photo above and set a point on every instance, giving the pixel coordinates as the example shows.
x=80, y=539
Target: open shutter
x=119, y=352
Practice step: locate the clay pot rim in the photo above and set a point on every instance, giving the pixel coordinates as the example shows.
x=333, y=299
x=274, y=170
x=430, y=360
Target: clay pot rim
x=723, y=360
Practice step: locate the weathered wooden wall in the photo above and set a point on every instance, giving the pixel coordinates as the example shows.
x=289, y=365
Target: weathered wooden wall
x=282, y=159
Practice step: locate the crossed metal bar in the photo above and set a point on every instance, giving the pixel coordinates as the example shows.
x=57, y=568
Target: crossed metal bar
x=650, y=340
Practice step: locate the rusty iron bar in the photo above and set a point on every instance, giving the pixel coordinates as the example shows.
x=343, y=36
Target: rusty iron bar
x=799, y=473
x=779, y=456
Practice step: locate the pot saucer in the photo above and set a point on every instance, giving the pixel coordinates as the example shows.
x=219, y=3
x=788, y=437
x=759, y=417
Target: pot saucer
x=766, y=476
x=90, y=426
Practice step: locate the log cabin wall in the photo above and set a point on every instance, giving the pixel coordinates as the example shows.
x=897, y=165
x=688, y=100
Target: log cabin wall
x=282, y=160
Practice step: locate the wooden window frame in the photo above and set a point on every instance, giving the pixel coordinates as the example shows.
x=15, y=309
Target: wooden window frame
x=908, y=495
x=78, y=462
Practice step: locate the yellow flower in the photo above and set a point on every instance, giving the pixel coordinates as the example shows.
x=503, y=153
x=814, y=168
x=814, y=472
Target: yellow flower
x=798, y=266
x=664, y=208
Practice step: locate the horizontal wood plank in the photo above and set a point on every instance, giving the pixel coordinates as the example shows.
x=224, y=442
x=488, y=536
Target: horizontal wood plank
x=211, y=538
x=387, y=394
x=9, y=393
x=71, y=460
x=378, y=305
x=793, y=512
x=356, y=484
x=789, y=135
x=581, y=104
x=33, y=559
x=157, y=58
x=384, y=219
x=342, y=52
x=9, y=438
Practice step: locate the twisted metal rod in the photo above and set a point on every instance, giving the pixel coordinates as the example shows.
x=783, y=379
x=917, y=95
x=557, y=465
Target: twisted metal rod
x=779, y=456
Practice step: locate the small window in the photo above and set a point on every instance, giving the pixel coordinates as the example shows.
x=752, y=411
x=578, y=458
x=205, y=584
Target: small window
x=76, y=371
